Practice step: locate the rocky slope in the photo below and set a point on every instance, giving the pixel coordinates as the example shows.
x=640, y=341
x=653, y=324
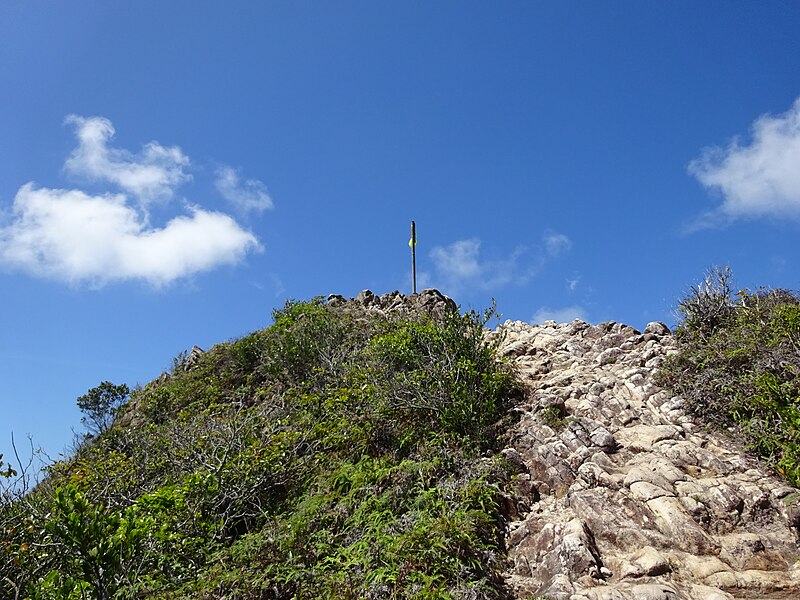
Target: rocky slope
x=622, y=496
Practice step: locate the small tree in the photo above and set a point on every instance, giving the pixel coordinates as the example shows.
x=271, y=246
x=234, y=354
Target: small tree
x=100, y=405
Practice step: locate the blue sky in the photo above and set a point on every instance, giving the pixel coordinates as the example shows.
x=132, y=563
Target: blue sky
x=170, y=172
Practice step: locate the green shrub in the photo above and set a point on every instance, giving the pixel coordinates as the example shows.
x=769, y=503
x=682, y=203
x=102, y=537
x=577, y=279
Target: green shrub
x=338, y=453
x=738, y=367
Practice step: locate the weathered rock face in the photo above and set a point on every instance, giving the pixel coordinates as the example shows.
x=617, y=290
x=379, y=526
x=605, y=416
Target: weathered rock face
x=429, y=301
x=622, y=496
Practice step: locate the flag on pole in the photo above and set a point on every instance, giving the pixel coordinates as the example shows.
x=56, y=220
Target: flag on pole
x=412, y=243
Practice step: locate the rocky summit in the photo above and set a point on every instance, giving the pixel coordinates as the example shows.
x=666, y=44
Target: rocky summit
x=622, y=495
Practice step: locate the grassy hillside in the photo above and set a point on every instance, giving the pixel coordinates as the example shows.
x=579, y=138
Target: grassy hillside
x=339, y=453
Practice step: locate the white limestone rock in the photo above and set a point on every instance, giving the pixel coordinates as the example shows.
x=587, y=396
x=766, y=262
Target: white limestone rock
x=627, y=498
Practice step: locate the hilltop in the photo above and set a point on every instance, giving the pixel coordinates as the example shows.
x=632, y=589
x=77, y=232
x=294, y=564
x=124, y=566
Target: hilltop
x=392, y=447
x=349, y=450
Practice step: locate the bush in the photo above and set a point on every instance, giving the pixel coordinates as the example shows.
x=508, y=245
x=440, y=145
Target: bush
x=709, y=304
x=338, y=453
x=738, y=365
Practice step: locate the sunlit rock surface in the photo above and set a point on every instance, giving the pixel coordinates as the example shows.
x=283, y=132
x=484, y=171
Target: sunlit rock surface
x=622, y=495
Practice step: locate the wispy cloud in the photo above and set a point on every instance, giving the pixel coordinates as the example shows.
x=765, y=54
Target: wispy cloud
x=556, y=243
x=572, y=283
x=249, y=195
x=460, y=265
x=560, y=315
x=153, y=174
x=73, y=236
x=459, y=260
x=759, y=179
x=278, y=285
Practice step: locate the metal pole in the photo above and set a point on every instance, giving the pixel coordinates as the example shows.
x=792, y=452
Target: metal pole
x=413, y=257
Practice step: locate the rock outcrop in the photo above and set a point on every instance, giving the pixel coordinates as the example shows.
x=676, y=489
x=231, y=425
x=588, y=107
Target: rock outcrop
x=622, y=496
x=429, y=301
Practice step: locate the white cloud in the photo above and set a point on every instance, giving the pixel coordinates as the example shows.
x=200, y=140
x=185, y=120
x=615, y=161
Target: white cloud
x=459, y=265
x=556, y=243
x=560, y=315
x=71, y=236
x=250, y=195
x=572, y=284
x=761, y=179
x=151, y=175
x=77, y=237
x=459, y=260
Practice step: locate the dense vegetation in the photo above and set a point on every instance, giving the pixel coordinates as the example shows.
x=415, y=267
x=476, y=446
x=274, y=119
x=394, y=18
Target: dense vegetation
x=344, y=453
x=738, y=365
x=336, y=454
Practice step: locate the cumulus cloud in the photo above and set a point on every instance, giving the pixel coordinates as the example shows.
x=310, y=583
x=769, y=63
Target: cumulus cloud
x=247, y=196
x=759, y=179
x=560, y=315
x=71, y=236
x=153, y=174
x=74, y=236
x=556, y=243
